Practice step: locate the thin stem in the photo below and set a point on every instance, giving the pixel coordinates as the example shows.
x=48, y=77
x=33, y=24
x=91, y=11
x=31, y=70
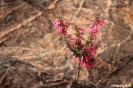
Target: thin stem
x=68, y=42
x=78, y=70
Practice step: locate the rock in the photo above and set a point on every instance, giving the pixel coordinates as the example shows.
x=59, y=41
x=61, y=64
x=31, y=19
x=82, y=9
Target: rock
x=32, y=50
x=25, y=77
x=8, y=18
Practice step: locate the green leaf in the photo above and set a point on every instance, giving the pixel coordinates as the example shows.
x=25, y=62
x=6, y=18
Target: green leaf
x=87, y=42
x=58, y=16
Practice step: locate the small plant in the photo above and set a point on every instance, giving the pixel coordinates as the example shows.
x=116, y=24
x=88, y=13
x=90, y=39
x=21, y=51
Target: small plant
x=82, y=49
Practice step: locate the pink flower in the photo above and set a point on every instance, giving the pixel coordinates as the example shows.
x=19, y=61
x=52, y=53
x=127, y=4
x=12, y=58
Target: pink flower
x=81, y=29
x=65, y=47
x=82, y=38
x=56, y=23
x=67, y=51
x=93, y=19
x=91, y=24
x=94, y=30
x=66, y=34
x=91, y=64
x=66, y=26
x=74, y=58
x=73, y=40
x=88, y=49
x=94, y=51
x=91, y=31
x=81, y=44
x=85, y=62
x=88, y=58
x=94, y=36
x=60, y=30
x=85, y=65
x=100, y=22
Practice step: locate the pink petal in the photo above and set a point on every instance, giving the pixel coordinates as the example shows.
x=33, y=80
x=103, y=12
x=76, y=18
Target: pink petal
x=59, y=30
x=91, y=24
x=56, y=23
x=67, y=51
x=64, y=47
x=91, y=30
x=96, y=29
x=85, y=65
x=94, y=51
x=81, y=29
x=87, y=58
x=66, y=26
x=94, y=36
x=82, y=38
x=93, y=19
x=91, y=64
x=74, y=58
x=100, y=22
x=67, y=35
x=73, y=40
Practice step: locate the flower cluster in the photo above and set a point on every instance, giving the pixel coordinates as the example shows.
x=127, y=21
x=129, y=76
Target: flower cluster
x=95, y=22
x=81, y=48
